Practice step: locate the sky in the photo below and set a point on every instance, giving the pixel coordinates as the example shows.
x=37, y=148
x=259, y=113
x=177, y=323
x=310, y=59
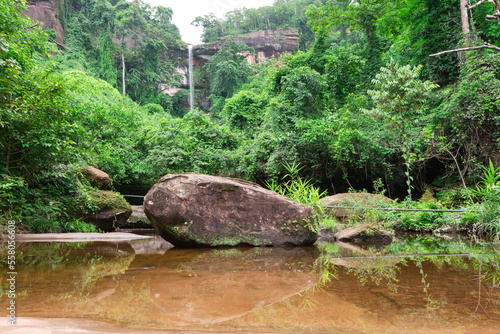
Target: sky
x=185, y=11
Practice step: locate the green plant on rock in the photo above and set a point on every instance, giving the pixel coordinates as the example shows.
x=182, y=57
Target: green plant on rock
x=300, y=190
x=296, y=188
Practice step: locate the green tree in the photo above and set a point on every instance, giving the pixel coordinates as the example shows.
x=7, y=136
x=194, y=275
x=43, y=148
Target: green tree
x=398, y=100
x=228, y=70
x=361, y=15
x=244, y=111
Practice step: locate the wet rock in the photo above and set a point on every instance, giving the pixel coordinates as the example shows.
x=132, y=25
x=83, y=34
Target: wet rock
x=97, y=177
x=352, y=201
x=113, y=211
x=364, y=233
x=138, y=219
x=195, y=210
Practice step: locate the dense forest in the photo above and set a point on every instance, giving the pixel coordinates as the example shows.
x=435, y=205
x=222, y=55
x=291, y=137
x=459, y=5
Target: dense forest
x=361, y=104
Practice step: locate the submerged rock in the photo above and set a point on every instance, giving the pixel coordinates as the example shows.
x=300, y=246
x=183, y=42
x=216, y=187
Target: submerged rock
x=195, y=210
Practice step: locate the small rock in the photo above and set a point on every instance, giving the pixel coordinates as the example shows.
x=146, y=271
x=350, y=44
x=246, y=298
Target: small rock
x=113, y=211
x=364, y=233
x=97, y=177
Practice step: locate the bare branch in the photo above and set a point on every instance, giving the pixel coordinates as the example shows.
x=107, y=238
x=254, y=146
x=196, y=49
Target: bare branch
x=475, y=5
x=493, y=17
x=492, y=47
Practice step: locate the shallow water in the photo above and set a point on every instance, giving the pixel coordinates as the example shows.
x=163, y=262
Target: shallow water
x=415, y=285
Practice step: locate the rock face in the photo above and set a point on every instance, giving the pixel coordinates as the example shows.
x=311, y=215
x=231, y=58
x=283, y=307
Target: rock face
x=97, y=177
x=361, y=200
x=267, y=43
x=194, y=210
x=46, y=12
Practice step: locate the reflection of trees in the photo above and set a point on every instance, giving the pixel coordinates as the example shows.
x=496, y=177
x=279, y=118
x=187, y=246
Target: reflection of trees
x=65, y=273
x=444, y=259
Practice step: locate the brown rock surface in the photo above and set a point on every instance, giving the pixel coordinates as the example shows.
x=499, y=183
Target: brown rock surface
x=195, y=210
x=267, y=43
x=46, y=12
x=97, y=177
x=363, y=233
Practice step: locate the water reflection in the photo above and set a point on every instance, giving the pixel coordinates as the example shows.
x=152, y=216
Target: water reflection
x=181, y=287
x=413, y=285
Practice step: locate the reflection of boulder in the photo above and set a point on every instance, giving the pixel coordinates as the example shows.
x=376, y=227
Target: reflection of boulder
x=195, y=210
x=182, y=287
x=217, y=285
x=155, y=245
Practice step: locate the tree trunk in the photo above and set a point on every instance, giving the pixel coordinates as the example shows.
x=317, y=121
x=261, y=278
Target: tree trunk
x=465, y=21
x=123, y=73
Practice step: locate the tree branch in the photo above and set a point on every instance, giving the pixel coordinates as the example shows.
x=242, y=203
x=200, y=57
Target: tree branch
x=475, y=5
x=493, y=17
x=492, y=47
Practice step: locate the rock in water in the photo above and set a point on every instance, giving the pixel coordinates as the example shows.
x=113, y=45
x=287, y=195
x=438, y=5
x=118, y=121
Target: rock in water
x=195, y=210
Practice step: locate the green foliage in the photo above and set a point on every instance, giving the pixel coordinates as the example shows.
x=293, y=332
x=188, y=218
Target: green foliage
x=191, y=144
x=319, y=107
x=399, y=99
x=300, y=96
x=473, y=109
x=300, y=190
x=489, y=187
x=36, y=129
x=153, y=108
x=296, y=188
x=244, y=111
x=282, y=14
x=343, y=71
x=99, y=33
x=228, y=70
x=47, y=201
x=108, y=122
x=179, y=99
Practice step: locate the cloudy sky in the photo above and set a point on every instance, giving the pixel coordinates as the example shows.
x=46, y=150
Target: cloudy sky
x=185, y=11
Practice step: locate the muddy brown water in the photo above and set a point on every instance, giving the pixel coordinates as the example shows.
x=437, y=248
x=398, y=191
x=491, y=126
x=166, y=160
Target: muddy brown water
x=142, y=286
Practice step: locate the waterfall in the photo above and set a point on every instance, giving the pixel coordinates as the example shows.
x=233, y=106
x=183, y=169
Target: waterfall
x=191, y=80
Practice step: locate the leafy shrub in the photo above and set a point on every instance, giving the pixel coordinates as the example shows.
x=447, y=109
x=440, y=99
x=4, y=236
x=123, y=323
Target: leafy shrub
x=153, y=108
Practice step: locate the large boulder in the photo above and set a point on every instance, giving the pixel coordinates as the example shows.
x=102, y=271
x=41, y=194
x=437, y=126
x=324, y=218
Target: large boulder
x=194, y=210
